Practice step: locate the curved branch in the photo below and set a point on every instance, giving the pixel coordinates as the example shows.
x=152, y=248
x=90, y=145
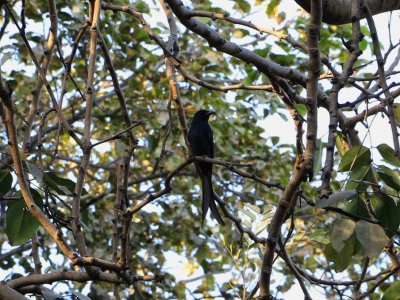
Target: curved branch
x=36, y=91
x=38, y=279
x=34, y=209
x=215, y=40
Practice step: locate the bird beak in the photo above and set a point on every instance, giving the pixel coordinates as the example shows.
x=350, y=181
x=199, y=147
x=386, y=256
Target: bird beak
x=212, y=112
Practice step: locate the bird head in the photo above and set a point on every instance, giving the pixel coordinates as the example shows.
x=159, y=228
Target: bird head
x=203, y=115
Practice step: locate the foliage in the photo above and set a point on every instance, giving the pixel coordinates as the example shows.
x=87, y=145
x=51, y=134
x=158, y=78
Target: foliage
x=117, y=191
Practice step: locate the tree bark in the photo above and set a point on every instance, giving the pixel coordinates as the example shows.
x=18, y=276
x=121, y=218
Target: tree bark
x=338, y=12
x=8, y=293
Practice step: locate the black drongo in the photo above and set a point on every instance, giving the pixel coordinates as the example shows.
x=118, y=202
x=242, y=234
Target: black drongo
x=201, y=141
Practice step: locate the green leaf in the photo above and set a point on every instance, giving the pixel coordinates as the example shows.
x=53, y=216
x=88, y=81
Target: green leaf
x=387, y=212
x=360, y=179
x=340, y=143
x=388, y=155
x=247, y=224
x=319, y=236
x=343, y=56
x=340, y=259
x=371, y=236
x=318, y=157
x=335, y=198
x=36, y=172
x=354, y=158
x=6, y=180
x=393, y=292
x=272, y=7
x=282, y=115
x=301, y=108
x=365, y=31
x=60, y=185
x=262, y=226
x=243, y=6
x=251, y=78
x=396, y=107
x=251, y=215
x=252, y=207
x=363, y=45
x=21, y=225
x=356, y=206
x=389, y=177
x=201, y=253
x=141, y=34
x=283, y=59
x=153, y=142
x=342, y=230
x=275, y=140
x=357, y=245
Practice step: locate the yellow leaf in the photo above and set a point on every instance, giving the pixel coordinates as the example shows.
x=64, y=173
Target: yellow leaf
x=25, y=155
x=237, y=33
x=190, y=267
x=396, y=107
x=274, y=12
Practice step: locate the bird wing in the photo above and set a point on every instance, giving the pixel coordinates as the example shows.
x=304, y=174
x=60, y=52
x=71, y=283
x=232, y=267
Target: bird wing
x=211, y=141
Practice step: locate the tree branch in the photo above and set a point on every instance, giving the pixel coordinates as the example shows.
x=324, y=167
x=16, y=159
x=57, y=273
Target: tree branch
x=337, y=12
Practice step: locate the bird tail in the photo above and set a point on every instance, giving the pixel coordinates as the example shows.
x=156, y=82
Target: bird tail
x=209, y=201
x=207, y=190
x=215, y=212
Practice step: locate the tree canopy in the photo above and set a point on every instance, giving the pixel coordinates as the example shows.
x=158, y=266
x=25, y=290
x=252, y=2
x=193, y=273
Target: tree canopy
x=99, y=189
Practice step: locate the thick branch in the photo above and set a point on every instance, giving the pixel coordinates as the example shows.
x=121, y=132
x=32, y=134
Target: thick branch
x=304, y=163
x=268, y=67
x=8, y=293
x=38, y=279
x=337, y=12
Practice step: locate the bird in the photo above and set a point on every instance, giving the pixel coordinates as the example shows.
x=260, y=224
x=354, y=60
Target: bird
x=201, y=141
